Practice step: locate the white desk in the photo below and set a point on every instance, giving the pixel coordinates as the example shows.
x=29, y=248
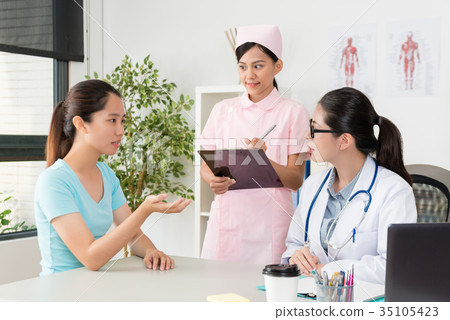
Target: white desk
x=128, y=280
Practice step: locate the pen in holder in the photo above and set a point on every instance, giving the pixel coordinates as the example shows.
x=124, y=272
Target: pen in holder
x=327, y=293
x=339, y=289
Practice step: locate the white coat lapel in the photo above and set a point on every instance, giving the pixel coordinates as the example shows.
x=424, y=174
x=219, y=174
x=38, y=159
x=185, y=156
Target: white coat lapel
x=315, y=223
x=354, y=211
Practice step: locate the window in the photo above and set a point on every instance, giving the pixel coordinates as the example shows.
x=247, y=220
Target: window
x=26, y=100
x=37, y=39
x=26, y=92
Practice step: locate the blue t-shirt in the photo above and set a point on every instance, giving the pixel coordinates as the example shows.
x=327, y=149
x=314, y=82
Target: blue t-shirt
x=58, y=192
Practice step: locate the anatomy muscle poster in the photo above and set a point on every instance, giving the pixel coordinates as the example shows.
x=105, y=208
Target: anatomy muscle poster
x=352, y=57
x=412, y=58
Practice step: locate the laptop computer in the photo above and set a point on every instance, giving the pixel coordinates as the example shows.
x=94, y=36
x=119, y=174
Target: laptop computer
x=418, y=262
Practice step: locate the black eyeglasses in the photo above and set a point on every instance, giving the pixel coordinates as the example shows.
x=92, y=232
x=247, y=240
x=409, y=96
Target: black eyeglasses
x=313, y=130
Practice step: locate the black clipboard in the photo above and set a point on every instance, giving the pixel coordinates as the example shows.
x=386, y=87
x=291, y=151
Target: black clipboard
x=249, y=167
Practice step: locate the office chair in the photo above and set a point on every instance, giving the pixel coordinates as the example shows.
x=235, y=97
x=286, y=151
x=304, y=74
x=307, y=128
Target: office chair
x=431, y=187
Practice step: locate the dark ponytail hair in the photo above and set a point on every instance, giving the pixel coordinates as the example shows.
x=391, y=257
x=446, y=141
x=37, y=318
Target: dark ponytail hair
x=243, y=48
x=84, y=99
x=349, y=111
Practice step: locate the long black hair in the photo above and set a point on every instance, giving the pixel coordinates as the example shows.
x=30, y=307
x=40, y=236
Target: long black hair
x=348, y=110
x=243, y=48
x=84, y=99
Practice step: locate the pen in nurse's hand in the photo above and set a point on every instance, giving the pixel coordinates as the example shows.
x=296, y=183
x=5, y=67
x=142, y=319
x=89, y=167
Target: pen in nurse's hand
x=268, y=131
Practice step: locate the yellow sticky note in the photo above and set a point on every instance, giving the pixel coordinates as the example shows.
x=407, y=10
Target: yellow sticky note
x=226, y=297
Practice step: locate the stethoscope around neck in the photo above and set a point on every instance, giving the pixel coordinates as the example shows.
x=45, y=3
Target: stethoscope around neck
x=366, y=208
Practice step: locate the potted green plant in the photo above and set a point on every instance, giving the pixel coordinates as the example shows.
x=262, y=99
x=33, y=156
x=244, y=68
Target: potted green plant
x=157, y=136
x=6, y=220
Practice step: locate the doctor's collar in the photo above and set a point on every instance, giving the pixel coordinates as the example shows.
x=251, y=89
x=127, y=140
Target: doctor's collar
x=268, y=103
x=347, y=190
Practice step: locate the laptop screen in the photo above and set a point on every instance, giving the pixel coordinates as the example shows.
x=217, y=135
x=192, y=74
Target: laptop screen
x=418, y=262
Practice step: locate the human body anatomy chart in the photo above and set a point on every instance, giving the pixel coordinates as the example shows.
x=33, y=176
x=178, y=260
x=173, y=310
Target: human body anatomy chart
x=352, y=57
x=412, y=58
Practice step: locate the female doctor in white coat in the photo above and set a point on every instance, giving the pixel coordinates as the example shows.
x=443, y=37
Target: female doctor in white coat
x=344, y=212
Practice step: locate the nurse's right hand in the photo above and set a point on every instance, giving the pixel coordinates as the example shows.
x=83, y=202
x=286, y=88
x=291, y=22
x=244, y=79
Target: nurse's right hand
x=220, y=185
x=305, y=260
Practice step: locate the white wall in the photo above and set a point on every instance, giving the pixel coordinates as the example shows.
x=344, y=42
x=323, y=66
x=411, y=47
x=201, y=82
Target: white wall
x=187, y=42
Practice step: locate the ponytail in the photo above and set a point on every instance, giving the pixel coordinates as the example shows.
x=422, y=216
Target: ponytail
x=389, y=151
x=58, y=143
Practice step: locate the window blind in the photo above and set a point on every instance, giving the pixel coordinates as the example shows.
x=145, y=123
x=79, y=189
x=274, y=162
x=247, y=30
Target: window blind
x=46, y=28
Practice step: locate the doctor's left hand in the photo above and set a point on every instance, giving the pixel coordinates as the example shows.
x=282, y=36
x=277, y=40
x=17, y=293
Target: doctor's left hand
x=256, y=143
x=154, y=258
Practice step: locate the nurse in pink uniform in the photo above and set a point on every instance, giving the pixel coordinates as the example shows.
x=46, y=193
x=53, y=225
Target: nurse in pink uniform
x=251, y=225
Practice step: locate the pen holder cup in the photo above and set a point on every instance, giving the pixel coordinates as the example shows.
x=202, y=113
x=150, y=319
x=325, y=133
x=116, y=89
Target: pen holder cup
x=327, y=293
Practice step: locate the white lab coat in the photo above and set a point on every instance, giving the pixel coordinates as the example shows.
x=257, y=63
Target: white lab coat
x=392, y=202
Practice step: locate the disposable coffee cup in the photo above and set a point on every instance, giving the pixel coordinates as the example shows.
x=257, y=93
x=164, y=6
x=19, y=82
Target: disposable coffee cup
x=327, y=293
x=281, y=282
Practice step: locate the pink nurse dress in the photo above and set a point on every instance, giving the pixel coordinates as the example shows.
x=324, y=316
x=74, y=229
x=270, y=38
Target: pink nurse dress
x=250, y=225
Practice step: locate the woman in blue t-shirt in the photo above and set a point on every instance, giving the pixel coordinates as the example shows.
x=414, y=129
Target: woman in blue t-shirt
x=77, y=198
